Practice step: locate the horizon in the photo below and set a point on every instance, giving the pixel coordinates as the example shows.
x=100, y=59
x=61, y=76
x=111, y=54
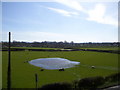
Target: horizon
x=60, y=21
x=58, y=41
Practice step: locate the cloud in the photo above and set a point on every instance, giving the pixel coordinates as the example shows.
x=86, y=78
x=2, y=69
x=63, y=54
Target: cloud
x=42, y=36
x=74, y=4
x=98, y=14
x=63, y=12
x=31, y=36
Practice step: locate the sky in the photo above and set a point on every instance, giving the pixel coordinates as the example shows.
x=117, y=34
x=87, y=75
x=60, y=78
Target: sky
x=62, y=20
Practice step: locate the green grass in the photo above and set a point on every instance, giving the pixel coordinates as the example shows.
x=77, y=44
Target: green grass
x=96, y=48
x=34, y=48
x=103, y=48
x=23, y=74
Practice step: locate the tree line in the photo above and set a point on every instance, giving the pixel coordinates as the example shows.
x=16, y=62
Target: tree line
x=65, y=44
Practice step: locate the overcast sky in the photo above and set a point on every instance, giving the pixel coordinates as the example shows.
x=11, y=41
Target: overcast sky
x=62, y=20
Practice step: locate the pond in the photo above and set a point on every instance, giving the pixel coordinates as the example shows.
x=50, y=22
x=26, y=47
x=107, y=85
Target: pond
x=53, y=63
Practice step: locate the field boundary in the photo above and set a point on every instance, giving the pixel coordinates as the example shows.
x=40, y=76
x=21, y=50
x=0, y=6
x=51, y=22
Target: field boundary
x=94, y=50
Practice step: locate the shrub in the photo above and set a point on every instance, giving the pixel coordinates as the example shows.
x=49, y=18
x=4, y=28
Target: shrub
x=57, y=86
x=90, y=83
x=113, y=77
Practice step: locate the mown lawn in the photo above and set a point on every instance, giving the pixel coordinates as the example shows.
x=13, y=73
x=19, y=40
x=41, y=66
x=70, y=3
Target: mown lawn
x=103, y=48
x=34, y=48
x=23, y=74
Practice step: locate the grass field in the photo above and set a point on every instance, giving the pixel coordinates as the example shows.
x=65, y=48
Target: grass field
x=34, y=48
x=103, y=48
x=98, y=48
x=23, y=74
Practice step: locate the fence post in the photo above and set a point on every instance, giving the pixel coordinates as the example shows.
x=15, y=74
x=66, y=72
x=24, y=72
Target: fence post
x=9, y=64
x=36, y=80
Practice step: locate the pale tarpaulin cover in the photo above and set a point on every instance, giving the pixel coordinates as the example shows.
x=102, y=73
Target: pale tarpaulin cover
x=53, y=63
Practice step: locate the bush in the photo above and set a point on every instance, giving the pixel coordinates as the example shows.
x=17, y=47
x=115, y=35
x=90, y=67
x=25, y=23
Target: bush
x=90, y=83
x=57, y=86
x=113, y=77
